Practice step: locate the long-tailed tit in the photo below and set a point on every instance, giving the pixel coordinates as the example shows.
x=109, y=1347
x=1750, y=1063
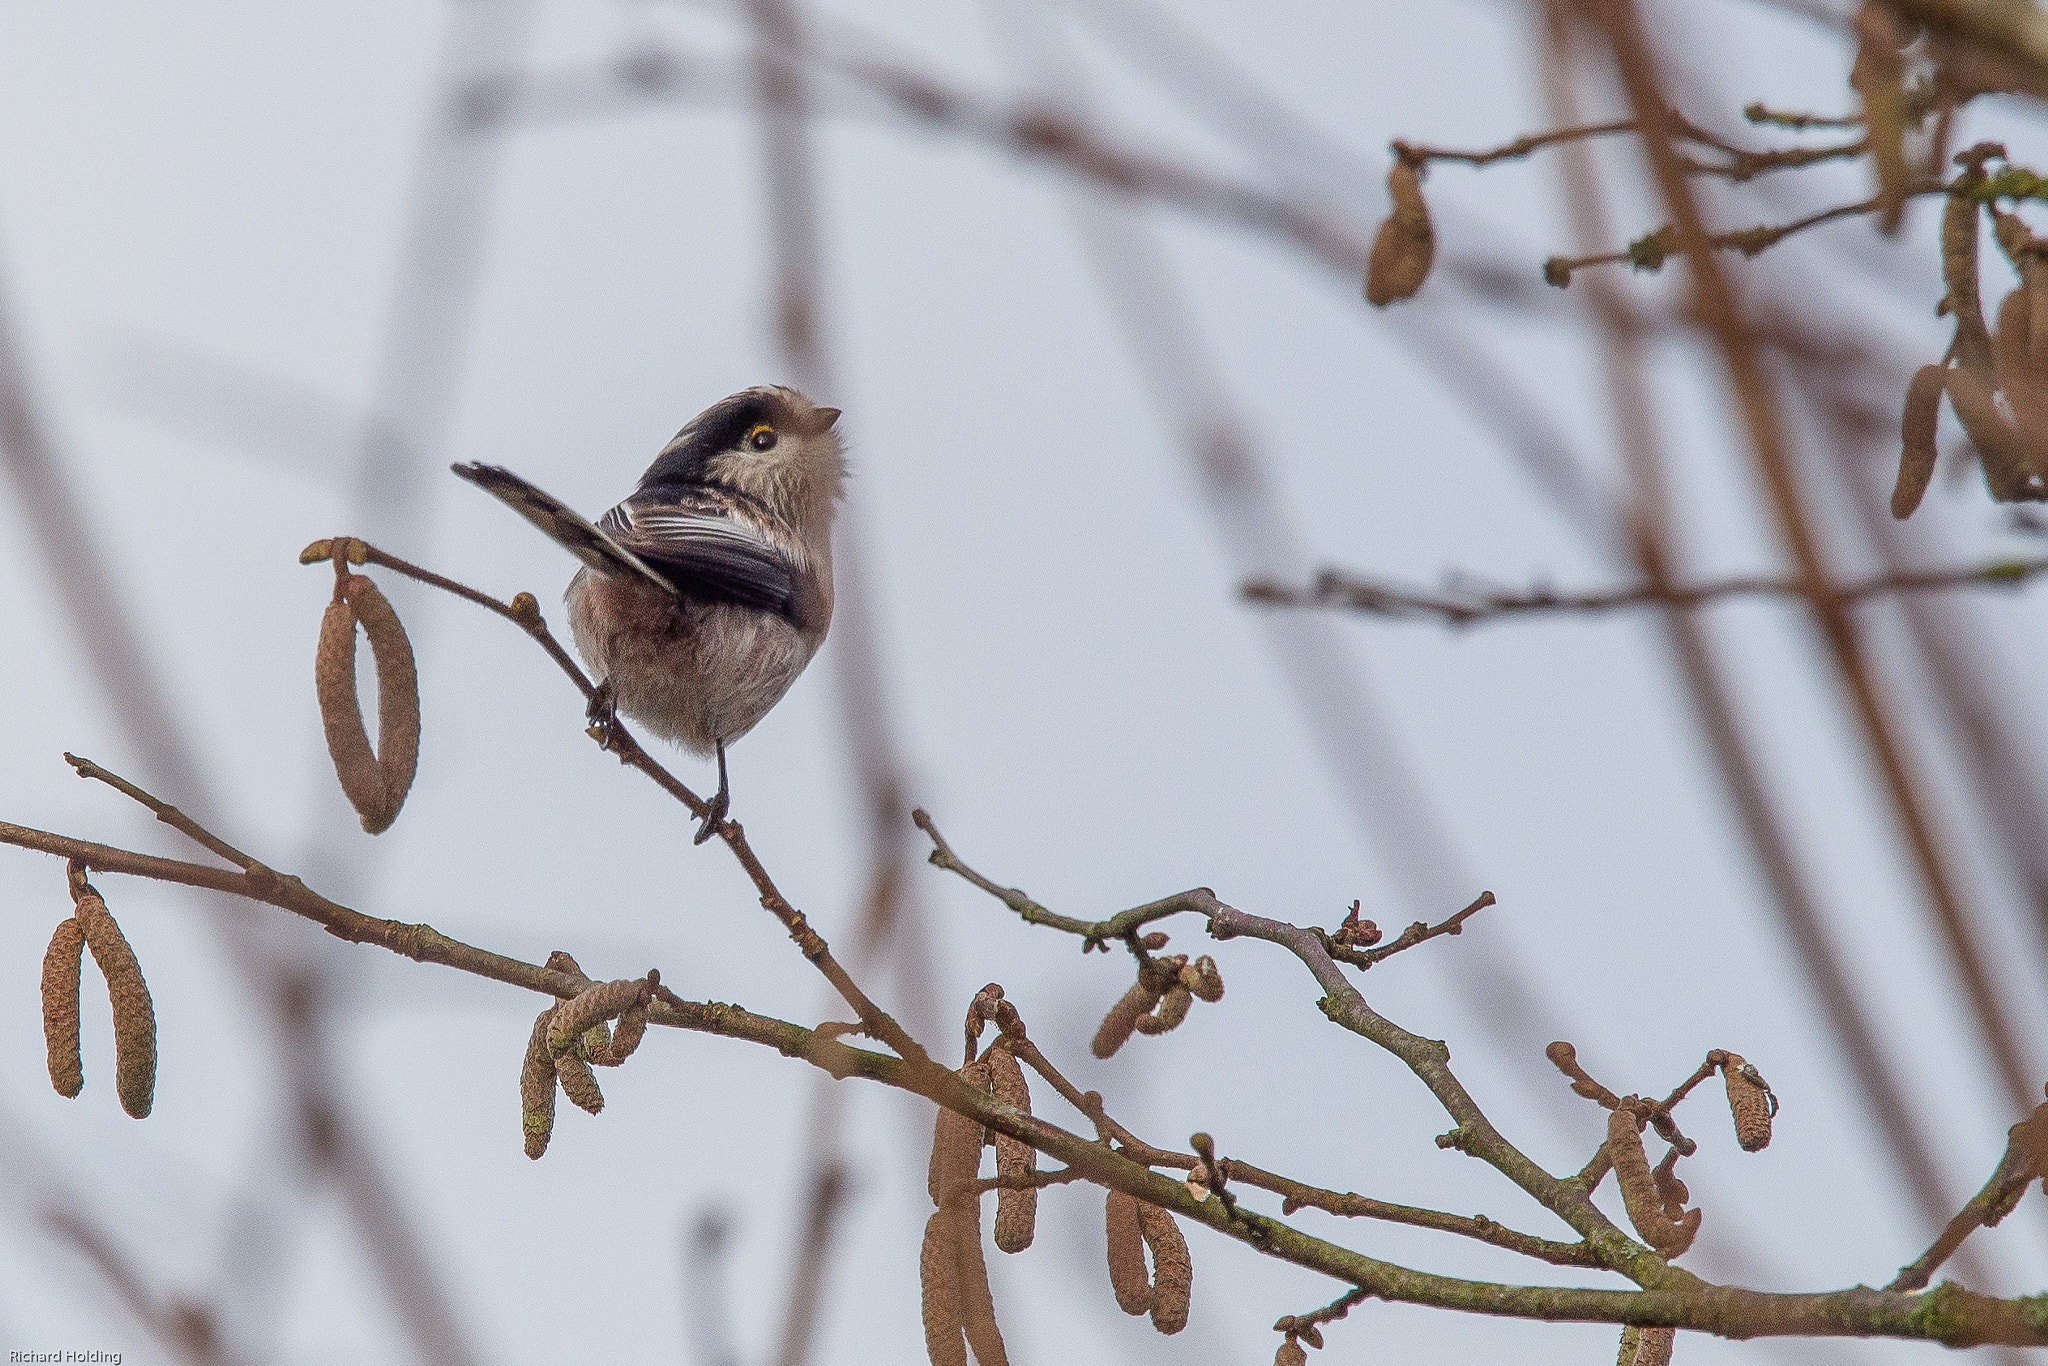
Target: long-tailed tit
x=705, y=593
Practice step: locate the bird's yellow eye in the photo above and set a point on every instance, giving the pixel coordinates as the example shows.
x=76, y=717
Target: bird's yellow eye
x=762, y=438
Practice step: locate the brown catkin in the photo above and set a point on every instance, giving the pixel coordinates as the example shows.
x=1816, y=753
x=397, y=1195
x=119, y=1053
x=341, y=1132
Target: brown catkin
x=1016, y=1208
x=626, y=1036
x=1639, y=1188
x=977, y=1305
x=578, y=1083
x=956, y=1141
x=1173, y=1008
x=1291, y=1353
x=1127, y=1275
x=940, y=1277
x=341, y=715
x=1916, y=438
x=1959, y=273
x=1123, y=1017
x=61, y=965
x=134, y=1016
x=1204, y=979
x=1875, y=76
x=590, y=1008
x=1406, y=244
x=1749, y=1102
x=398, y=693
x=537, y=1088
x=1173, y=1271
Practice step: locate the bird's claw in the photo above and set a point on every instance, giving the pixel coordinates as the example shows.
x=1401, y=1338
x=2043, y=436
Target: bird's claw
x=603, y=712
x=714, y=817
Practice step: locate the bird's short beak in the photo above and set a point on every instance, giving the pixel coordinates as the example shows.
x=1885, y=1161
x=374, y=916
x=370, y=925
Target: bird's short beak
x=823, y=418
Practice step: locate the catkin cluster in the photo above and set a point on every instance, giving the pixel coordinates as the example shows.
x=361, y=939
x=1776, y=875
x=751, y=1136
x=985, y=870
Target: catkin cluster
x=959, y=1311
x=91, y=926
x=376, y=782
x=569, y=1037
x=1996, y=380
x=1159, y=1000
x=1133, y=1226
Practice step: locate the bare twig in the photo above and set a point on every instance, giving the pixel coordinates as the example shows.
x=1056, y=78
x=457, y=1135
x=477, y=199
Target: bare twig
x=1650, y=251
x=1417, y=933
x=2025, y=1160
x=1464, y=602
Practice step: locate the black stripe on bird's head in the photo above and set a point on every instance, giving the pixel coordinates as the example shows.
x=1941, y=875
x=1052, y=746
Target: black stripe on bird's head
x=751, y=422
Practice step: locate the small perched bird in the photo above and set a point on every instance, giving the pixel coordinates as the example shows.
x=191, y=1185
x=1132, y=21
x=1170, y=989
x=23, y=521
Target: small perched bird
x=705, y=593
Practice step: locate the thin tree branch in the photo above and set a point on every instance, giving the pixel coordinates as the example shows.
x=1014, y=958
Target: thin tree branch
x=2025, y=1160
x=1464, y=602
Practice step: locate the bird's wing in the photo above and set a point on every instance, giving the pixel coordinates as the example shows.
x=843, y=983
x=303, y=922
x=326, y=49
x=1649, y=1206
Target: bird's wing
x=708, y=548
x=562, y=524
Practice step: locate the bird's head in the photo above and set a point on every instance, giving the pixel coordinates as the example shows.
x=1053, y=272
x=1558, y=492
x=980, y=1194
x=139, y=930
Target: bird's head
x=769, y=443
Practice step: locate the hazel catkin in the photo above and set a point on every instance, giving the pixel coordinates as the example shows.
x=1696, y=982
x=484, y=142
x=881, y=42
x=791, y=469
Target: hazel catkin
x=956, y=1141
x=1172, y=1011
x=1916, y=438
x=1204, y=979
x=977, y=1305
x=1291, y=1353
x=579, y=1084
x=537, y=1088
x=1016, y=1206
x=939, y=1280
x=398, y=692
x=1173, y=1271
x=134, y=1015
x=1406, y=243
x=341, y=716
x=1127, y=1275
x=1666, y=1236
x=1122, y=1018
x=1750, y=1103
x=61, y=968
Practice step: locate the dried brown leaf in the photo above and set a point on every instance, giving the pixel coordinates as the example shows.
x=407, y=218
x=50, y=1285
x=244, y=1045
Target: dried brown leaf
x=1405, y=246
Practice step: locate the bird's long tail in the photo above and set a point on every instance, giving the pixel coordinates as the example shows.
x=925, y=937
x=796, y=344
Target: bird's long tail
x=562, y=523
